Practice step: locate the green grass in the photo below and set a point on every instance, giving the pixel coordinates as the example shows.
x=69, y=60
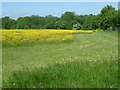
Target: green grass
x=77, y=71
x=82, y=74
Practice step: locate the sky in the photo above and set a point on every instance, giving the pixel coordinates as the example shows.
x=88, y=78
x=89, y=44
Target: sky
x=60, y=0
x=21, y=9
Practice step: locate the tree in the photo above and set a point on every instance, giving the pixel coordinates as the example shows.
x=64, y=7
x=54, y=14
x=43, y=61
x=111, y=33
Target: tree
x=82, y=19
x=67, y=20
x=24, y=22
x=108, y=17
x=8, y=23
x=0, y=23
x=35, y=21
x=89, y=22
x=20, y=23
x=60, y=25
x=118, y=18
x=50, y=22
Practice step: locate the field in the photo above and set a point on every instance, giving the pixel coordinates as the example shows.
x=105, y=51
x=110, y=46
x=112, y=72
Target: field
x=77, y=60
x=26, y=36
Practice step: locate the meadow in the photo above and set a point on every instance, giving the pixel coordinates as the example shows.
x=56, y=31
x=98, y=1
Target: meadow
x=69, y=59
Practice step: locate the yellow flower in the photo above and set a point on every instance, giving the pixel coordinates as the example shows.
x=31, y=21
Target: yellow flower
x=21, y=36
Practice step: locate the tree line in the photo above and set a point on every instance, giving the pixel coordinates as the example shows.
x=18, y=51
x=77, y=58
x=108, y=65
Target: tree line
x=106, y=19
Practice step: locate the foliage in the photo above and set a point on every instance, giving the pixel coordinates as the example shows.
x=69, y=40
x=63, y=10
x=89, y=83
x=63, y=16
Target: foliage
x=77, y=26
x=8, y=23
x=88, y=24
x=108, y=17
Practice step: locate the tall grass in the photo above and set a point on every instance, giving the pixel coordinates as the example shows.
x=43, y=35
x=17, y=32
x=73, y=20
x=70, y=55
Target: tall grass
x=74, y=74
x=90, y=61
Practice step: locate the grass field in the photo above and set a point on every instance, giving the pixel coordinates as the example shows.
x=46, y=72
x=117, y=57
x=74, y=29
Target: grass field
x=88, y=61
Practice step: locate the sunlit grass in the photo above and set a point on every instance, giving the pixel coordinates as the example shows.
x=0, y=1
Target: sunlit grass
x=89, y=61
x=70, y=74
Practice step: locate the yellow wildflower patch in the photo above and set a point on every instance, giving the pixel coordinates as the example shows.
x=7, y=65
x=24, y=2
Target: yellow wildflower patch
x=20, y=36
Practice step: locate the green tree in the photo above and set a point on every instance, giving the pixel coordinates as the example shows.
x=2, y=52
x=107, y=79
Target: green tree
x=89, y=22
x=20, y=23
x=50, y=22
x=67, y=20
x=60, y=25
x=108, y=17
x=8, y=23
x=35, y=22
x=24, y=22
x=0, y=23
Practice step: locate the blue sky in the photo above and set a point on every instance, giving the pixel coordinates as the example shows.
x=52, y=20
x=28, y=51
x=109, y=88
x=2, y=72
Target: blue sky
x=21, y=9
